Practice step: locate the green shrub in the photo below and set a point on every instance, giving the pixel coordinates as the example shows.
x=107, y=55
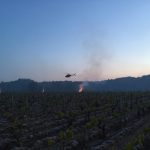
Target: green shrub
x=127, y=109
x=116, y=116
x=87, y=126
x=93, y=122
x=16, y=122
x=62, y=135
x=137, y=141
x=60, y=114
x=70, y=135
x=146, y=129
x=51, y=142
x=129, y=146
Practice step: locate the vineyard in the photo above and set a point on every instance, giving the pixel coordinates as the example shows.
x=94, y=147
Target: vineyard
x=74, y=120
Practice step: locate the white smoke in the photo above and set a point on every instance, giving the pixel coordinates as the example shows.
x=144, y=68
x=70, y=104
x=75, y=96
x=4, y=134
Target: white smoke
x=83, y=84
x=96, y=55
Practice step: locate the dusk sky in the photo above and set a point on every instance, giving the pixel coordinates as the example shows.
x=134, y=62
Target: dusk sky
x=96, y=39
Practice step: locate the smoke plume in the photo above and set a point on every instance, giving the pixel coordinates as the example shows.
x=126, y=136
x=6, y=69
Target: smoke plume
x=83, y=84
x=96, y=57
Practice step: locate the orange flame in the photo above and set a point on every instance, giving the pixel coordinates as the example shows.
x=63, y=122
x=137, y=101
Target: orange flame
x=80, y=90
x=81, y=87
x=0, y=91
x=43, y=91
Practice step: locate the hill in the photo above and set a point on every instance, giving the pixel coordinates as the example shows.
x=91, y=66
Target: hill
x=118, y=84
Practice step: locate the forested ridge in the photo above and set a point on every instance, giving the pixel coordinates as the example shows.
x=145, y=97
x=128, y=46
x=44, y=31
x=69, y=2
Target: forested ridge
x=118, y=84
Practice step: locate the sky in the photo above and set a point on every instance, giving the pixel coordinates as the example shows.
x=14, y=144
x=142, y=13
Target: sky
x=96, y=39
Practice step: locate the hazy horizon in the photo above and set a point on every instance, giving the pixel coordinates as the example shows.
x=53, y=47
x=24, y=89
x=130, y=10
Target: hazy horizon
x=76, y=80
x=97, y=40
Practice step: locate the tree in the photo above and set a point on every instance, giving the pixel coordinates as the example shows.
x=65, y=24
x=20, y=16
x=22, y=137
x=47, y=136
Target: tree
x=33, y=87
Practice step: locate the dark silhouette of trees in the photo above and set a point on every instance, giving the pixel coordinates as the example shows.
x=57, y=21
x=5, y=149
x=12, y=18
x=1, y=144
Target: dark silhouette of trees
x=33, y=87
x=118, y=84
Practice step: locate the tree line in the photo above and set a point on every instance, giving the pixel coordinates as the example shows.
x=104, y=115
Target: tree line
x=118, y=84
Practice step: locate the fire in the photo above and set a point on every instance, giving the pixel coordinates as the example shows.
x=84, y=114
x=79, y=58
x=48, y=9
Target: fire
x=0, y=91
x=81, y=87
x=43, y=91
x=80, y=90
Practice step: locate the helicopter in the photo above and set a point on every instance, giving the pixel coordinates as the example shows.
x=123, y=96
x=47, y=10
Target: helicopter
x=69, y=75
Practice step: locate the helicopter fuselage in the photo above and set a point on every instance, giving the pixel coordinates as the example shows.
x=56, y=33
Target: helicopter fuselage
x=69, y=75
